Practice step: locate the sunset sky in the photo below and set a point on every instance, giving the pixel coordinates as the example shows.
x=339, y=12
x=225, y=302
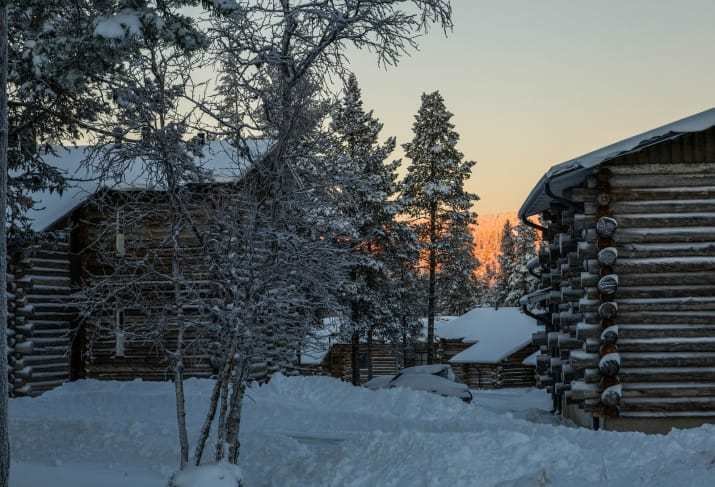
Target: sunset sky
x=534, y=83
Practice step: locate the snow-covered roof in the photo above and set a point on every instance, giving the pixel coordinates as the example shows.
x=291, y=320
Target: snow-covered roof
x=439, y=323
x=531, y=359
x=496, y=334
x=218, y=158
x=572, y=172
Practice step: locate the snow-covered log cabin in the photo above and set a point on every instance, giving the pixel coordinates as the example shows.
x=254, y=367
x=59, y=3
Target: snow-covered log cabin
x=64, y=318
x=490, y=348
x=626, y=308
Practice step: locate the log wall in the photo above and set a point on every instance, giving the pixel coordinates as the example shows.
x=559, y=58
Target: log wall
x=42, y=315
x=628, y=296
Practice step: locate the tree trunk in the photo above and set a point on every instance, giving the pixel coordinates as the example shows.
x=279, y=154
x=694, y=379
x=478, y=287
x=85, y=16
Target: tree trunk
x=180, y=405
x=222, y=379
x=179, y=366
x=233, y=426
x=4, y=392
x=355, y=358
x=431, y=296
x=404, y=341
x=369, y=353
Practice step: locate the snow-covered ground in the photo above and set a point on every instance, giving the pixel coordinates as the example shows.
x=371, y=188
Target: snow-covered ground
x=317, y=431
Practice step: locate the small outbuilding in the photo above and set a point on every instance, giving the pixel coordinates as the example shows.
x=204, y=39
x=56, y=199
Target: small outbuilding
x=488, y=348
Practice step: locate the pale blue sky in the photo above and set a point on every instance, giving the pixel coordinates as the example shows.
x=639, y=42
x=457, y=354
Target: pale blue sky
x=533, y=83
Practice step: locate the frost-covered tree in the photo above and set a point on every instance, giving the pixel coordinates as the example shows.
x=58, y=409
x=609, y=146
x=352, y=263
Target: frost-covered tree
x=367, y=182
x=145, y=144
x=272, y=55
x=434, y=194
x=52, y=67
x=520, y=281
x=458, y=286
x=518, y=246
x=507, y=263
x=56, y=68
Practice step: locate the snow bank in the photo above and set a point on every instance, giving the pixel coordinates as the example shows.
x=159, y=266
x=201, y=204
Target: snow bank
x=219, y=475
x=319, y=431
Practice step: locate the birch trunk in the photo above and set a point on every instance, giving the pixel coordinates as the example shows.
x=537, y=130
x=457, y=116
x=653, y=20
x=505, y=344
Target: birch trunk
x=4, y=386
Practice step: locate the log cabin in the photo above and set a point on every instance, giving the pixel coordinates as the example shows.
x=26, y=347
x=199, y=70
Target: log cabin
x=487, y=348
x=626, y=309
x=490, y=348
x=56, y=332
x=328, y=352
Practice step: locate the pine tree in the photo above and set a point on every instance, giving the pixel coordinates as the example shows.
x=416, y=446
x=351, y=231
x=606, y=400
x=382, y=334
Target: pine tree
x=458, y=286
x=521, y=282
x=434, y=192
x=507, y=261
x=368, y=185
x=513, y=279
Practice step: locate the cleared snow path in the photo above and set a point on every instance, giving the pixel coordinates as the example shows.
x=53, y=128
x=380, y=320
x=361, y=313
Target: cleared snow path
x=316, y=431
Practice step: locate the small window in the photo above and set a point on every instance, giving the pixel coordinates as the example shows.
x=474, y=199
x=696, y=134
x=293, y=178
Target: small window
x=363, y=361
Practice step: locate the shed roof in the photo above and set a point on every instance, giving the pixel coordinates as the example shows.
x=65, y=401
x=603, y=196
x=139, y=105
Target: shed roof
x=572, y=172
x=218, y=158
x=496, y=334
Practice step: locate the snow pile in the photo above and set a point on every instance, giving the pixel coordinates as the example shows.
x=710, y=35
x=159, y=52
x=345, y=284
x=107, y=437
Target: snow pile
x=319, y=431
x=219, y=475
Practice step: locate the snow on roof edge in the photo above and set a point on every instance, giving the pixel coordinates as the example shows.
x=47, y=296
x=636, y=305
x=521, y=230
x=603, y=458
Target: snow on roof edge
x=465, y=353
x=52, y=207
x=578, y=167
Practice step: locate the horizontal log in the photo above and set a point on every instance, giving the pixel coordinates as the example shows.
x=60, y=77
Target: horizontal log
x=645, y=250
x=583, y=360
x=584, y=331
x=661, y=180
x=664, y=235
x=581, y=390
x=670, y=168
x=667, y=344
x=671, y=331
x=667, y=304
x=666, y=374
x=657, y=206
x=667, y=317
x=690, y=192
x=664, y=220
x=668, y=389
x=664, y=265
x=689, y=404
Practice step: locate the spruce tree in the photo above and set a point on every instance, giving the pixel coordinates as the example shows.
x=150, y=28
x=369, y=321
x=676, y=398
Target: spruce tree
x=520, y=281
x=458, y=286
x=518, y=246
x=368, y=185
x=507, y=261
x=434, y=192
